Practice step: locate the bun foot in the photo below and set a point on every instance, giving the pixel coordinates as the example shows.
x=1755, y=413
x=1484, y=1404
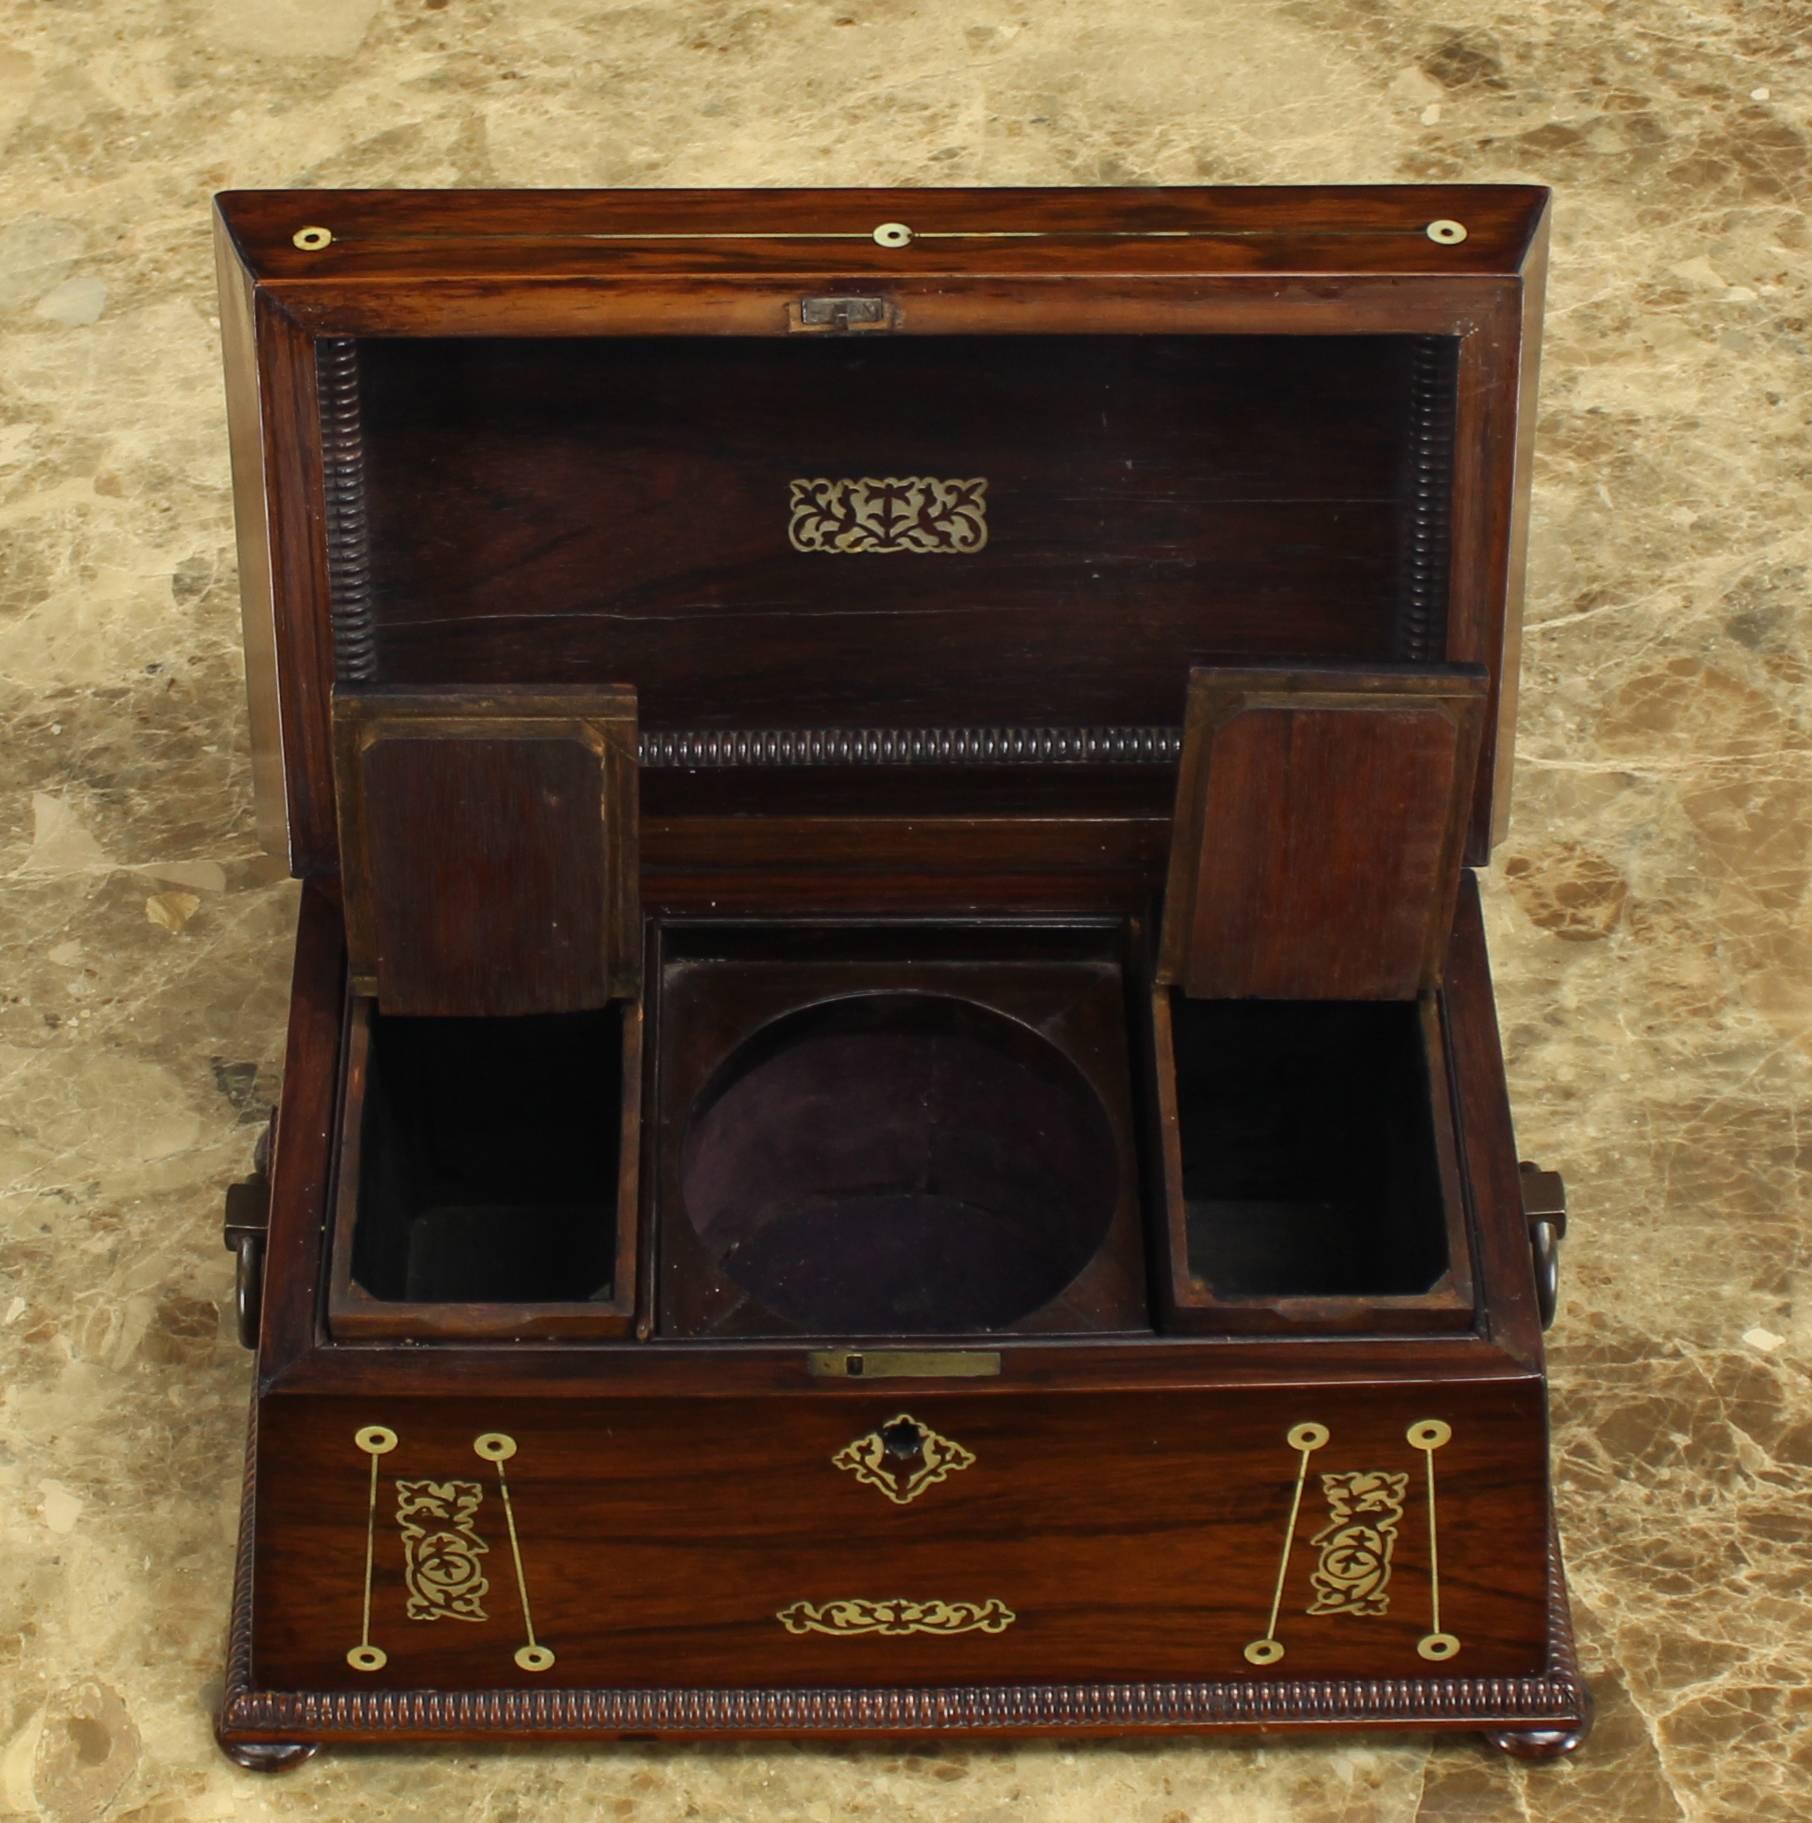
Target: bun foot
x=268, y=1756
x=1543, y=1745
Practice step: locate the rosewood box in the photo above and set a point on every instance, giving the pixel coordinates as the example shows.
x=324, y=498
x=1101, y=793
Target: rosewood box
x=893, y=1121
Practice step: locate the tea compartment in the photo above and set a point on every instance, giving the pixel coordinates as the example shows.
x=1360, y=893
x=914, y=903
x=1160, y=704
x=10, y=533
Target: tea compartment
x=905, y=1130
x=487, y=1175
x=864, y=1133
x=1311, y=1167
x=899, y=1161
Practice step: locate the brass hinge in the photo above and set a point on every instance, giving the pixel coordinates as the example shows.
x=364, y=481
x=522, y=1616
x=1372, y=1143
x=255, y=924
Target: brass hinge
x=840, y=315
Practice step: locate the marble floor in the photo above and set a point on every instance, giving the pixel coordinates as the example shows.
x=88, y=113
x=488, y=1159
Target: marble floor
x=1650, y=912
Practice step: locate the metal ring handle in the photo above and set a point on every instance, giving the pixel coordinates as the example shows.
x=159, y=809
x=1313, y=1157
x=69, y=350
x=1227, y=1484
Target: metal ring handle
x=248, y=1286
x=1544, y=1244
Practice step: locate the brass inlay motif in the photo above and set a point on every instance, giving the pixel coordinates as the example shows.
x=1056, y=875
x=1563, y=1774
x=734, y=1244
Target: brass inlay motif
x=885, y=1458
x=1446, y=233
x=893, y=234
x=918, y=514
x=312, y=240
x=1305, y=1439
x=374, y=1440
x=495, y=1447
x=1428, y=1436
x=854, y=1616
x=441, y=1549
x=1364, y=1508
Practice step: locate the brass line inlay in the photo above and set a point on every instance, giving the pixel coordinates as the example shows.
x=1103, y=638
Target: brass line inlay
x=495, y=1447
x=893, y=236
x=374, y=1440
x=880, y=1458
x=1428, y=1436
x=1364, y=1508
x=877, y=514
x=1305, y=1439
x=441, y=1549
x=855, y=1615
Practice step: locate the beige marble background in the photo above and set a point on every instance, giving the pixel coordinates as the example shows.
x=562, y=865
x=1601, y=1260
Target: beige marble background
x=1649, y=916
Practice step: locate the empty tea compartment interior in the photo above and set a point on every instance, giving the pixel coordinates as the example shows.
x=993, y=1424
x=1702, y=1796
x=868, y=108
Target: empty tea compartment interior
x=488, y=1154
x=900, y=1161
x=1309, y=1149
x=896, y=1127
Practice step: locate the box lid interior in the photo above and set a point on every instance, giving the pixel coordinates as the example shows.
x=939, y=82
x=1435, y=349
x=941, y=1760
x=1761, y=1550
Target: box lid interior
x=912, y=544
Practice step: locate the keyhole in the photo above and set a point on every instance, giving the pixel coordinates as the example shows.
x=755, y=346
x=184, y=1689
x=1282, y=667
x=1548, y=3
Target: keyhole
x=903, y=1440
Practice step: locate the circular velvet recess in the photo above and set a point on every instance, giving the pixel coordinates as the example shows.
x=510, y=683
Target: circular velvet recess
x=899, y=1162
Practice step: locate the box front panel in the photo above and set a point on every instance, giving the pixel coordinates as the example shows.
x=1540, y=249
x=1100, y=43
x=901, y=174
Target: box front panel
x=903, y=1535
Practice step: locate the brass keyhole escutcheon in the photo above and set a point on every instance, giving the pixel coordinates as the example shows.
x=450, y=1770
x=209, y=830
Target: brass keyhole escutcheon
x=903, y=1457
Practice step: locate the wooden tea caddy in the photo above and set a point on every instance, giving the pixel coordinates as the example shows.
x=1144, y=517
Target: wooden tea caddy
x=893, y=1121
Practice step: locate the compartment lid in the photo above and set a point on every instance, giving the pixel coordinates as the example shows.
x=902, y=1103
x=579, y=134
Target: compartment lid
x=1320, y=819
x=491, y=848
x=843, y=479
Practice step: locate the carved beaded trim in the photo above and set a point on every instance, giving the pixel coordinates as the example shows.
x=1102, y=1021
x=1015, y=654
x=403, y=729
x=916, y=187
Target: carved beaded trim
x=1428, y=532
x=912, y=747
x=1486, y=1701
x=343, y=484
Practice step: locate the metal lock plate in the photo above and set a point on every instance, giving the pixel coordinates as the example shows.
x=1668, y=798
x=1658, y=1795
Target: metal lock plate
x=840, y=315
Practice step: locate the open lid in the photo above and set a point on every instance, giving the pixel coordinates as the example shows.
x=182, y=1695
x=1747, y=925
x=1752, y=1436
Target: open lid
x=1315, y=852
x=490, y=848
x=943, y=481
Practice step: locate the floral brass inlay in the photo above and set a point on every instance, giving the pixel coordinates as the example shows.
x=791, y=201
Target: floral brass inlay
x=1364, y=1507
x=856, y=1616
x=902, y=1458
x=441, y=1549
x=912, y=513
